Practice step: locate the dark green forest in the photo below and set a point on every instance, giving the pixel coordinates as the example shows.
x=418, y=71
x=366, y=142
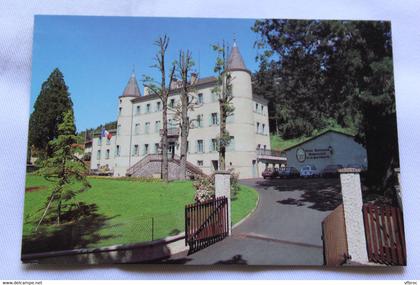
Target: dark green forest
x=322, y=74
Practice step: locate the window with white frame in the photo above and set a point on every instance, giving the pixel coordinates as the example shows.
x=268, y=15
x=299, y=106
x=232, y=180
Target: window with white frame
x=136, y=150
x=200, y=162
x=157, y=126
x=117, y=151
x=256, y=107
x=172, y=103
x=137, y=129
x=98, y=155
x=148, y=108
x=199, y=121
x=156, y=148
x=107, y=154
x=146, y=149
x=263, y=129
x=214, y=119
x=146, y=127
x=138, y=110
x=200, y=146
x=231, y=145
x=200, y=98
x=214, y=145
x=258, y=127
x=119, y=111
x=158, y=106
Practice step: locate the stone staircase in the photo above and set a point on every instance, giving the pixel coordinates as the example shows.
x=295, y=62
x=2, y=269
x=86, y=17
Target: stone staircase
x=150, y=166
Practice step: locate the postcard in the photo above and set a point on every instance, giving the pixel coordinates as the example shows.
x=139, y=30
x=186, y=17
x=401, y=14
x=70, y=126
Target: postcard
x=203, y=141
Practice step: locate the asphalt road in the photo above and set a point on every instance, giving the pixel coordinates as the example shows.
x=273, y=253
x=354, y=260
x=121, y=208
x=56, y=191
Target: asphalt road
x=285, y=229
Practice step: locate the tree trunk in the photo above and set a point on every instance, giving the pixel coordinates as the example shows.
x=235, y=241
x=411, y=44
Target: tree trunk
x=164, y=170
x=59, y=212
x=222, y=147
x=184, y=137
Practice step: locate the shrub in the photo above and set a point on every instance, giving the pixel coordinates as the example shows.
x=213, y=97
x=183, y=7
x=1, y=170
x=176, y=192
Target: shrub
x=205, y=188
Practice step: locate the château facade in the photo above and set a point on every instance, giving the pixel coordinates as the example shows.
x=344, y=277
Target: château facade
x=139, y=126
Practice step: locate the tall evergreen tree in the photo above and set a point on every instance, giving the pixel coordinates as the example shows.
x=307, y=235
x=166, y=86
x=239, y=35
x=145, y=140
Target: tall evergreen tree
x=65, y=169
x=53, y=100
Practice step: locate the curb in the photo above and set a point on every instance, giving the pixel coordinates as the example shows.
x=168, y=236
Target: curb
x=250, y=213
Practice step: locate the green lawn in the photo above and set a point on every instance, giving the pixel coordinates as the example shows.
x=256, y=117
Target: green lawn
x=118, y=212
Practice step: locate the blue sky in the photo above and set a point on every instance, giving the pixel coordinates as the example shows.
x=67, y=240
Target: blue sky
x=97, y=54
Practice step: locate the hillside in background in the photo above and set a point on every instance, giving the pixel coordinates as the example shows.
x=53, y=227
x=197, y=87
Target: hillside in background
x=278, y=143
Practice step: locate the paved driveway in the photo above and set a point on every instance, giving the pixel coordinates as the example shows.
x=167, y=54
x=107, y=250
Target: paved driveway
x=285, y=229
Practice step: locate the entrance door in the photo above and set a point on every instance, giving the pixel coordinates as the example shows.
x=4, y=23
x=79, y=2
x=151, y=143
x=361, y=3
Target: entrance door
x=254, y=168
x=215, y=164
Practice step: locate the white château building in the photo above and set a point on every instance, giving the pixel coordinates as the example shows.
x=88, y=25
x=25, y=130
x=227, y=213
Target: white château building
x=136, y=141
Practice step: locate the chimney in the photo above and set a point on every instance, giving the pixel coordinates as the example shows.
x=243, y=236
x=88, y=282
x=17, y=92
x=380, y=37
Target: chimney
x=194, y=78
x=174, y=83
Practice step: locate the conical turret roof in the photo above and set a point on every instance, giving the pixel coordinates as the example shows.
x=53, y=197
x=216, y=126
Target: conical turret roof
x=235, y=60
x=132, y=89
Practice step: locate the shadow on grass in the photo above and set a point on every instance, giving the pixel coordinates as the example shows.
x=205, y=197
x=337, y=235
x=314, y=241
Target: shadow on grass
x=80, y=229
x=322, y=194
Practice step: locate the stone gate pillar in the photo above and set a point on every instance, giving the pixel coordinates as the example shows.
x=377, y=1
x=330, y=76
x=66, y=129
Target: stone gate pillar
x=222, y=188
x=353, y=216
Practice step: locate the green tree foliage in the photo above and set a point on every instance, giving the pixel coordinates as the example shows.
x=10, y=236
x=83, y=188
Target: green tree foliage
x=53, y=100
x=319, y=73
x=64, y=168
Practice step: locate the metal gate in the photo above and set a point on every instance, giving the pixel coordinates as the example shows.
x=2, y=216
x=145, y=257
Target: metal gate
x=206, y=223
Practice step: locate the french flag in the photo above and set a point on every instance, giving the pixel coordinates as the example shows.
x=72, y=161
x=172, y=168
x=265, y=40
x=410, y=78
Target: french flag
x=105, y=133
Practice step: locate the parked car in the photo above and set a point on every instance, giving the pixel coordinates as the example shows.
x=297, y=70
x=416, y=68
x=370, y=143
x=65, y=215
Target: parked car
x=288, y=172
x=309, y=171
x=331, y=170
x=270, y=173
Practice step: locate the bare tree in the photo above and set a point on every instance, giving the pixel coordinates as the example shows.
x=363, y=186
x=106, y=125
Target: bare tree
x=223, y=91
x=163, y=92
x=188, y=103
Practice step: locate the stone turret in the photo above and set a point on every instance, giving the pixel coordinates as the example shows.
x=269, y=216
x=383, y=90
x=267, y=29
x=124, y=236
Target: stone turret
x=124, y=125
x=243, y=127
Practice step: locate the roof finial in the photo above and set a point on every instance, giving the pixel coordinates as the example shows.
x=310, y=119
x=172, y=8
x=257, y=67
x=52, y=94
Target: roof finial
x=133, y=72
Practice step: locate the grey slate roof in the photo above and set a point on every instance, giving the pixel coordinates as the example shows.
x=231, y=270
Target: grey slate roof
x=200, y=83
x=132, y=88
x=235, y=60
